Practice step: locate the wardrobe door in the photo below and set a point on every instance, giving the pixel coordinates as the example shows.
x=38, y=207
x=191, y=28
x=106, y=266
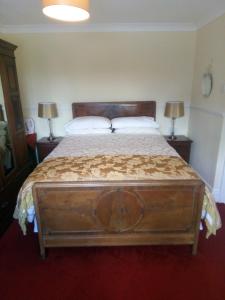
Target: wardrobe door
x=14, y=163
x=7, y=156
x=14, y=112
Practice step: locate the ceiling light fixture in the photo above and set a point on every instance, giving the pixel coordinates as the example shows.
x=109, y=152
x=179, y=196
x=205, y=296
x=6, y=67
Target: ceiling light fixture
x=66, y=10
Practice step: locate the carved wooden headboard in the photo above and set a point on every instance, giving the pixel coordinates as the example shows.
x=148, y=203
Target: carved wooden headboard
x=114, y=109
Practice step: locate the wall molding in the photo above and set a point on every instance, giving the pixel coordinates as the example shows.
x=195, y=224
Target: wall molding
x=208, y=111
x=215, y=191
x=112, y=27
x=219, y=179
x=101, y=27
x=210, y=19
x=205, y=182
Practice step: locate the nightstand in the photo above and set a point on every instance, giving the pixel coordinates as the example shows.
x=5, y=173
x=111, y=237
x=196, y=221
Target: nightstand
x=44, y=146
x=182, y=145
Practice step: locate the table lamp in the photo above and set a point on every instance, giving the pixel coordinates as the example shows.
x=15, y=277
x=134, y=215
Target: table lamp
x=48, y=110
x=173, y=110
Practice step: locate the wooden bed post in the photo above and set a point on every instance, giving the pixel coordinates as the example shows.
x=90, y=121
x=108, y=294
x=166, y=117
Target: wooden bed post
x=42, y=250
x=40, y=232
x=200, y=196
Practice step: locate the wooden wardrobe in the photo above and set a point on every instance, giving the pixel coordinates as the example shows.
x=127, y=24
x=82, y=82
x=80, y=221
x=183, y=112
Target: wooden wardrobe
x=14, y=162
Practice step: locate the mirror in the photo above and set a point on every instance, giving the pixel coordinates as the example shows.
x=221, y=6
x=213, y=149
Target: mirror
x=207, y=84
x=6, y=152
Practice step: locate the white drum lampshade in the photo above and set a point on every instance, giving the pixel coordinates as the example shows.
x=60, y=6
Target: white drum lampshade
x=66, y=10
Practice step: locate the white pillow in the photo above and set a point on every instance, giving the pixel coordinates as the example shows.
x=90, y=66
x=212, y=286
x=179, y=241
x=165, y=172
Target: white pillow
x=72, y=131
x=134, y=122
x=141, y=130
x=88, y=122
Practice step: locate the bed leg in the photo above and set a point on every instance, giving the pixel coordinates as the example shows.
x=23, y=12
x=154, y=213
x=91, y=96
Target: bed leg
x=42, y=252
x=195, y=248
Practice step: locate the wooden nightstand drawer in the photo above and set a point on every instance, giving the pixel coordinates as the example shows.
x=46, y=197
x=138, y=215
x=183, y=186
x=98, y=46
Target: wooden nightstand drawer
x=44, y=146
x=182, y=145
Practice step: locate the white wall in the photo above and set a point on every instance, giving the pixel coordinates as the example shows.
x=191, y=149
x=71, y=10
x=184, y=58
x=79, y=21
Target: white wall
x=68, y=67
x=207, y=114
x=205, y=131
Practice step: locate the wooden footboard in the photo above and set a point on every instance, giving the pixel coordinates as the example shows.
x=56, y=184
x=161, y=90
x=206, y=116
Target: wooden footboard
x=118, y=213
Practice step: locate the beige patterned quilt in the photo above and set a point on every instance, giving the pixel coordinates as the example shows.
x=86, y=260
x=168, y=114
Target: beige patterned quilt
x=111, y=167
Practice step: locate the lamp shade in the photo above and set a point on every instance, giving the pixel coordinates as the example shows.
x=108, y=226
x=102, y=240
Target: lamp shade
x=174, y=109
x=47, y=110
x=66, y=10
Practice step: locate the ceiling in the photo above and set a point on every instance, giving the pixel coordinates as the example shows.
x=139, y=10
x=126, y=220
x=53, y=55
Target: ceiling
x=26, y=15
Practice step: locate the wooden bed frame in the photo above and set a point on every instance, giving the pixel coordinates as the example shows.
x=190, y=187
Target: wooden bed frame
x=109, y=213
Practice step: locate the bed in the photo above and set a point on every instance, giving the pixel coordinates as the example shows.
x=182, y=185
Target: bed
x=118, y=210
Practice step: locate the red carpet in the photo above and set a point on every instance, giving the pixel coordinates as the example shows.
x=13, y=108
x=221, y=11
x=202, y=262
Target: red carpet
x=153, y=273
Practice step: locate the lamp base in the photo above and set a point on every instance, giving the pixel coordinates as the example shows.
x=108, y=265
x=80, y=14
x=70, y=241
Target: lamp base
x=172, y=137
x=51, y=138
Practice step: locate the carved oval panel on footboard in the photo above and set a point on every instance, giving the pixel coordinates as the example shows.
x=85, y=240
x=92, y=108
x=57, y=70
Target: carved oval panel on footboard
x=119, y=211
